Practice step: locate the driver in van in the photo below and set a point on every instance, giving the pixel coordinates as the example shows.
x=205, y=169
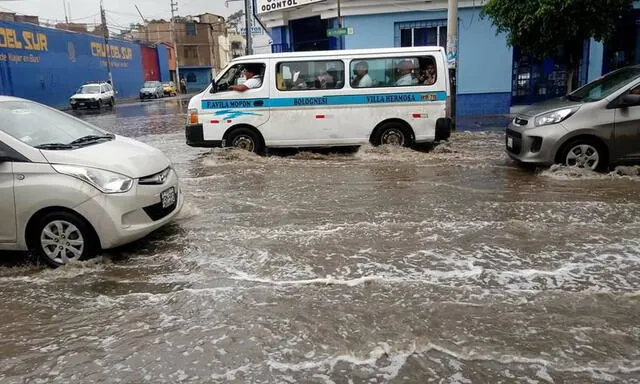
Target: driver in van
x=254, y=80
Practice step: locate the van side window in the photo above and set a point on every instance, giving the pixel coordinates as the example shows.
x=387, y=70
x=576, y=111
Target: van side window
x=310, y=75
x=393, y=72
x=236, y=75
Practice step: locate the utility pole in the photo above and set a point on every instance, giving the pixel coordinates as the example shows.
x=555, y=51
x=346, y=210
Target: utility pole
x=103, y=15
x=66, y=15
x=174, y=9
x=146, y=27
x=452, y=53
x=247, y=20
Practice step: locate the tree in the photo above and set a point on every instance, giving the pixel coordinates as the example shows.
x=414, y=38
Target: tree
x=543, y=28
x=234, y=20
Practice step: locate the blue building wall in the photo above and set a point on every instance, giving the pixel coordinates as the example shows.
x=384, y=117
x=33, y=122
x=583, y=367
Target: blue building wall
x=48, y=65
x=163, y=61
x=484, y=59
x=198, y=78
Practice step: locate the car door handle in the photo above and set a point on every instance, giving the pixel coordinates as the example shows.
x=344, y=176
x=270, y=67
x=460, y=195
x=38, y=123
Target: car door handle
x=258, y=103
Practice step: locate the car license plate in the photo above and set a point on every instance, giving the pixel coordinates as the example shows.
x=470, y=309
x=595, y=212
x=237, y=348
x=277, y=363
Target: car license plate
x=509, y=142
x=81, y=104
x=168, y=197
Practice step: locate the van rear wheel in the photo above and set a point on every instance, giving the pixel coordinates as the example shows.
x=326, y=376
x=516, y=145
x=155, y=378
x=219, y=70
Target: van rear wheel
x=392, y=134
x=246, y=139
x=61, y=237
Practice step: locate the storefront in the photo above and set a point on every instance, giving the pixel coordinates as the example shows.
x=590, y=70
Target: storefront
x=491, y=76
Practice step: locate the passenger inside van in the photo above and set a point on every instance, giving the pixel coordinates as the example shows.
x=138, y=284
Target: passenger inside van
x=362, y=78
x=405, y=70
x=427, y=72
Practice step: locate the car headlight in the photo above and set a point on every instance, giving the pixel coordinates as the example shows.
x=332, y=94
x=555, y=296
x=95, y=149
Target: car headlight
x=104, y=181
x=555, y=117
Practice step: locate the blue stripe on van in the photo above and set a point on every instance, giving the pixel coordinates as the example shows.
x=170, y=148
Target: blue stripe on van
x=283, y=102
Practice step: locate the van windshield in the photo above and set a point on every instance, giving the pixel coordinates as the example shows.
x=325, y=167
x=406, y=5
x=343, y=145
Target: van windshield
x=46, y=128
x=605, y=86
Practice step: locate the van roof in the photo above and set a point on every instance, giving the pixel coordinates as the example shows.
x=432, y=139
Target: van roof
x=340, y=53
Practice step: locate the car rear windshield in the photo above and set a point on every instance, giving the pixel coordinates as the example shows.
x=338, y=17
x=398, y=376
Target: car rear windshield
x=606, y=85
x=150, y=84
x=35, y=124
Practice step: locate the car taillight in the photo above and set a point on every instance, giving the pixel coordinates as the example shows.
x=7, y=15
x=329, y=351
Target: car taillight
x=193, y=116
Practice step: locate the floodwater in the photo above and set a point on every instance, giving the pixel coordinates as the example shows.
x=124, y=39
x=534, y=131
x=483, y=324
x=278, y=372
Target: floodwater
x=385, y=265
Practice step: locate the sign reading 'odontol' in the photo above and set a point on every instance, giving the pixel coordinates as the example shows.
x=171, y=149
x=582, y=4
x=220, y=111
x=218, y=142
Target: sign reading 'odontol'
x=265, y=6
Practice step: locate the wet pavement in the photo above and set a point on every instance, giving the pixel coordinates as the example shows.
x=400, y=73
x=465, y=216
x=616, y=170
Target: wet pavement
x=384, y=265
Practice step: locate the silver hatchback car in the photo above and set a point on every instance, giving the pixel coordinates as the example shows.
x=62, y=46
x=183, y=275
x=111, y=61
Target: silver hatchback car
x=594, y=127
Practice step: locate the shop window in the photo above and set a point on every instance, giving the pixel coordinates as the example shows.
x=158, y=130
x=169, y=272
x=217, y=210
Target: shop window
x=393, y=72
x=310, y=75
x=421, y=33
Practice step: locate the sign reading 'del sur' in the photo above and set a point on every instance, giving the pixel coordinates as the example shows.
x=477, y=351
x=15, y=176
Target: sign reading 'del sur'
x=265, y=6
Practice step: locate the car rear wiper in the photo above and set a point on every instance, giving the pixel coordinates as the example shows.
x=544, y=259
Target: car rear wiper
x=55, y=146
x=92, y=138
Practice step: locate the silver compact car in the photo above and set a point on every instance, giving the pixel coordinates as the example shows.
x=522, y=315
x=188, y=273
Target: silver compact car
x=594, y=127
x=69, y=189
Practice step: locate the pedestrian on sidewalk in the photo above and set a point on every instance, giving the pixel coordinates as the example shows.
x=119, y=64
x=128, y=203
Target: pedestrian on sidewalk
x=183, y=85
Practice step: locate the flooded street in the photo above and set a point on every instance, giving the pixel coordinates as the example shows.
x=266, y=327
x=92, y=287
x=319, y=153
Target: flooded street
x=384, y=265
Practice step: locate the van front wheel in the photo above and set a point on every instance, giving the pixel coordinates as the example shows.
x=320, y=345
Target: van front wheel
x=392, y=134
x=246, y=139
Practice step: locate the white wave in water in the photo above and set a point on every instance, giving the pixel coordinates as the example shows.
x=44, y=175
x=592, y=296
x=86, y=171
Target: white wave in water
x=389, y=362
x=560, y=172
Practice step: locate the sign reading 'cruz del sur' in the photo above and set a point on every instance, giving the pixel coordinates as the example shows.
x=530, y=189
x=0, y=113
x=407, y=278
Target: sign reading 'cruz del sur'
x=264, y=6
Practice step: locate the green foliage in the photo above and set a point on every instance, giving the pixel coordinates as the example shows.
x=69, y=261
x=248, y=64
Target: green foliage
x=541, y=27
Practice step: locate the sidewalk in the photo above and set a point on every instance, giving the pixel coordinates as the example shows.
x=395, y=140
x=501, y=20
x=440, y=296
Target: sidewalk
x=487, y=122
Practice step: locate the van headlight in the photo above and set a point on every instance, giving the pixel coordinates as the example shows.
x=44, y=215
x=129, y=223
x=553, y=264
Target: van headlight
x=104, y=181
x=555, y=117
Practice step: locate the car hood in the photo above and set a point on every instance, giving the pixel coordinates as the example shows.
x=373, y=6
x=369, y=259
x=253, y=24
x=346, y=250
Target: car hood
x=122, y=155
x=86, y=96
x=547, y=106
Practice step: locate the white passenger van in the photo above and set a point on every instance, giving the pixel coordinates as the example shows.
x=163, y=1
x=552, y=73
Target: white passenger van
x=394, y=96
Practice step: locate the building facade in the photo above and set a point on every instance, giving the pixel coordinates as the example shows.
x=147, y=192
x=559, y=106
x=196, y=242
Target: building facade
x=491, y=76
x=48, y=65
x=197, y=40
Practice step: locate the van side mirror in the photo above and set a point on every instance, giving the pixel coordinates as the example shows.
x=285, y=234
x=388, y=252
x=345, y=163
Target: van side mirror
x=630, y=100
x=213, y=87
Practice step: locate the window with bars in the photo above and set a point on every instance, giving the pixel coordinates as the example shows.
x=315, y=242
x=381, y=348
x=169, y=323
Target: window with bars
x=421, y=33
x=191, y=29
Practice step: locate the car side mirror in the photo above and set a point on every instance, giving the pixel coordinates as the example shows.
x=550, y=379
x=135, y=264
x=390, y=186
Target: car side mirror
x=630, y=100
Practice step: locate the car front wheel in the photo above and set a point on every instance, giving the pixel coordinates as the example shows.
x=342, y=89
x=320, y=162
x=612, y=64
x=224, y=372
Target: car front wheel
x=584, y=153
x=62, y=237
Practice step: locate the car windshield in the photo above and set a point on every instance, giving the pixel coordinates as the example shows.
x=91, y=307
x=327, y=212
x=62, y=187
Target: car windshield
x=89, y=89
x=38, y=125
x=606, y=85
x=168, y=84
x=150, y=84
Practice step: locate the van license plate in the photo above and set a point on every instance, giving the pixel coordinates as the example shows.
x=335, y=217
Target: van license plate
x=168, y=197
x=509, y=142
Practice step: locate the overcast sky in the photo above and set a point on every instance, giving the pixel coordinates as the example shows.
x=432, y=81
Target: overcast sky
x=120, y=13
